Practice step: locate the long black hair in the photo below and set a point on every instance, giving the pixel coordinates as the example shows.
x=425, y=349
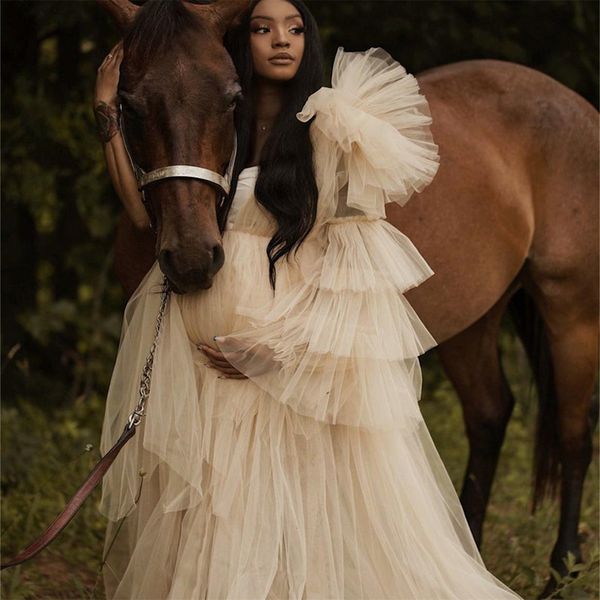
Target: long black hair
x=286, y=184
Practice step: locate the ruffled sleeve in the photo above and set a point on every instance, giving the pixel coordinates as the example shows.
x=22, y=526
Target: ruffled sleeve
x=341, y=345
x=370, y=134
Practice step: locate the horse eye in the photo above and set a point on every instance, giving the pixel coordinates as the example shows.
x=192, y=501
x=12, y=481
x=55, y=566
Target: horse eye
x=126, y=106
x=231, y=106
x=131, y=105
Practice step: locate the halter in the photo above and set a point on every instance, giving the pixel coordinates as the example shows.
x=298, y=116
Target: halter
x=144, y=179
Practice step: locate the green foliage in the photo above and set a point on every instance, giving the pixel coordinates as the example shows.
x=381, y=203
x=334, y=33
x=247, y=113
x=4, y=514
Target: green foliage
x=579, y=577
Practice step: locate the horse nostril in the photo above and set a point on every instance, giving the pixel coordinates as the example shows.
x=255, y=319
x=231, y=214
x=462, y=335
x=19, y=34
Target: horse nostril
x=218, y=257
x=189, y=272
x=165, y=260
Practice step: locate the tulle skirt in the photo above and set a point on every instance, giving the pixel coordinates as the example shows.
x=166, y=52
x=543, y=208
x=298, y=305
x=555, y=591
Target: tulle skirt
x=275, y=486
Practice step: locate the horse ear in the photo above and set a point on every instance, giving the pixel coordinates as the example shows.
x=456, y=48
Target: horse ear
x=225, y=13
x=122, y=11
x=230, y=11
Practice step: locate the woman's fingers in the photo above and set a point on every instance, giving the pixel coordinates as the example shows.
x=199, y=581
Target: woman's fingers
x=114, y=56
x=107, y=80
x=228, y=369
x=116, y=50
x=117, y=53
x=215, y=356
x=221, y=363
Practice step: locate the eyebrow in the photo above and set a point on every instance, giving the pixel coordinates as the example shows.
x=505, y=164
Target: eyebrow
x=271, y=18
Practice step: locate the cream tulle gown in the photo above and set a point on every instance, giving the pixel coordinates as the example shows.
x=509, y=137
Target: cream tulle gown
x=316, y=477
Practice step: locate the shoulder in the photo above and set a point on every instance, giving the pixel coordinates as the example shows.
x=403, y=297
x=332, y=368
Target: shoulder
x=370, y=131
x=363, y=80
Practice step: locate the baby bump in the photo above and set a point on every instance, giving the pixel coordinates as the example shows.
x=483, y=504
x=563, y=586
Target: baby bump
x=242, y=283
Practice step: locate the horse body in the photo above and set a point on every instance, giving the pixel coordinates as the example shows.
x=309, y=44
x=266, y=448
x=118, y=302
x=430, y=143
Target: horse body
x=509, y=223
x=515, y=195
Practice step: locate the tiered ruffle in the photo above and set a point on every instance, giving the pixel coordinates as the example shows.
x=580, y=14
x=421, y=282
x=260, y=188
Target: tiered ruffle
x=341, y=346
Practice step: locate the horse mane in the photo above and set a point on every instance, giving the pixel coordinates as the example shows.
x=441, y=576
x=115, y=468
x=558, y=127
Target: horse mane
x=157, y=24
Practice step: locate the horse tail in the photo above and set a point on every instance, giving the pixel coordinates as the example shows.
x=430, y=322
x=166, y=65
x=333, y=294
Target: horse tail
x=531, y=330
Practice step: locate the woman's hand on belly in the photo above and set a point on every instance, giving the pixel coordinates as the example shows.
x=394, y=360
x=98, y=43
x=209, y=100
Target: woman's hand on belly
x=257, y=360
x=218, y=361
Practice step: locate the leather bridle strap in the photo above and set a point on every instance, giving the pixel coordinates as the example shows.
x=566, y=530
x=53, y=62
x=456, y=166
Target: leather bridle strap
x=74, y=504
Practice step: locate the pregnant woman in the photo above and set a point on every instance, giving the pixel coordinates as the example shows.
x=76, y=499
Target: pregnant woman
x=284, y=454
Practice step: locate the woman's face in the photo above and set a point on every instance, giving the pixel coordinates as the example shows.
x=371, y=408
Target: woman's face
x=276, y=28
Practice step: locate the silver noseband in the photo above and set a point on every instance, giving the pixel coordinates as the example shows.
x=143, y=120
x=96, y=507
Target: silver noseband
x=222, y=182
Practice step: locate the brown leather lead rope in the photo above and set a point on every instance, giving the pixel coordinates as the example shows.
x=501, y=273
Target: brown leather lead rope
x=74, y=503
x=98, y=472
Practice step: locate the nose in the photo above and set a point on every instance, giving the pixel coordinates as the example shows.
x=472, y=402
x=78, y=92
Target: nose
x=189, y=271
x=280, y=40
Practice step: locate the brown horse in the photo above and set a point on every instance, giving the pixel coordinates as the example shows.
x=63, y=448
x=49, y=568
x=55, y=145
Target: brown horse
x=510, y=222
x=170, y=60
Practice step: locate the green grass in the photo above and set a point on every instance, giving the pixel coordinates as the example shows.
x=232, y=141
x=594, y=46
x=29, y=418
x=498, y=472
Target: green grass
x=45, y=459
x=46, y=455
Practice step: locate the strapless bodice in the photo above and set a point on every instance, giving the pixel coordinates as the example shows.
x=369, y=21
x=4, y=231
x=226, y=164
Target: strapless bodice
x=243, y=193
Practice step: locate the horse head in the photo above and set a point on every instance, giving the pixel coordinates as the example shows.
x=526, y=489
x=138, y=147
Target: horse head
x=178, y=88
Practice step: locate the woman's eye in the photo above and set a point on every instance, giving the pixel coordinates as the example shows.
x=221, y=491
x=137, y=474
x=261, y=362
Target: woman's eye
x=297, y=30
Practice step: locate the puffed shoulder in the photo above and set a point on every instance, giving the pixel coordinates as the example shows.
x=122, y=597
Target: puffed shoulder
x=371, y=136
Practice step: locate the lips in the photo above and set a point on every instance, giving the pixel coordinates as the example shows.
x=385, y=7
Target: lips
x=282, y=56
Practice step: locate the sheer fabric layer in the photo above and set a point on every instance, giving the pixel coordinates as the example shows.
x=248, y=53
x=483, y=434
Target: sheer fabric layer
x=247, y=497
x=343, y=514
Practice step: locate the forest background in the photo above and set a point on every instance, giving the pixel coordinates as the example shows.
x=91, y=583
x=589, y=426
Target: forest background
x=62, y=306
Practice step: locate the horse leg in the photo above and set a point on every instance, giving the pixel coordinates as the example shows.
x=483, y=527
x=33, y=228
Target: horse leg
x=572, y=353
x=472, y=363
x=570, y=318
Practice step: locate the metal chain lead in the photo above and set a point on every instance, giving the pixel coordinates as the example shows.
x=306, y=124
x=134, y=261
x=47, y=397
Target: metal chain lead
x=135, y=417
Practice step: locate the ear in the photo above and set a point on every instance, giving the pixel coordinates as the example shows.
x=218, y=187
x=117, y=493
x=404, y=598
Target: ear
x=225, y=14
x=230, y=11
x=122, y=11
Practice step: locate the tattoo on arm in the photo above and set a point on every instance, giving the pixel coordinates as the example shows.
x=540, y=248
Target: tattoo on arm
x=107, y=121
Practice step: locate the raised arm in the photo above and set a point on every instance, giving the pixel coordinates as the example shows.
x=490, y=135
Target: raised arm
x=106, y=110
